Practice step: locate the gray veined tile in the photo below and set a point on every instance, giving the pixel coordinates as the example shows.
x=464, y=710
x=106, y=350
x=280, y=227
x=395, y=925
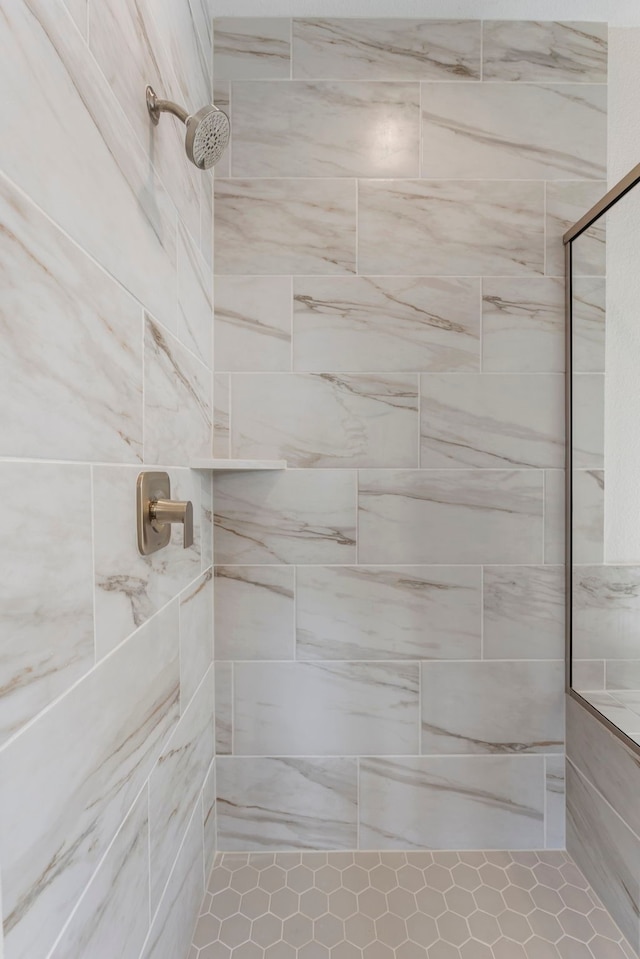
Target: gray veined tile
x=206, y=520
x=113, y=914
x=321, y=128
x=523, y=325
x=491, y=420
x=299, y=226
x=256, y=48
x=224, y=708
x=588, y=421
x=341, y=708
x=566, y=203
x=588, y=326
x=554, y=516
x=619, y=713
x=70, y=367
x=301, y=516
x=492, y=707
x=514, y=131
x=452, y=802
x=534, y=50
x=623, y=674
x=386, y=49
x=555, y=808
x=326, y=420
x=450, y=516
x=177, y=400
x=196, y=636
x=254, y=612
x=46, y=603
x=588, y=516
x=287, y=803
x=253, y=323
x=450, y=227
x=523, y=612
x=195, y=299
x=78, y=10
x=221, y=396
x=209, y=812
x=606, y=600
x=378, y=613
x=588, y=674
x=386, y=323
x=222, y=99
x=120, y=714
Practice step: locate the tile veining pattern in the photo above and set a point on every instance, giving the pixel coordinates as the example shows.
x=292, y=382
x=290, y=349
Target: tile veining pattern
x=389, y=319
x=395, y=905
x=107, y=788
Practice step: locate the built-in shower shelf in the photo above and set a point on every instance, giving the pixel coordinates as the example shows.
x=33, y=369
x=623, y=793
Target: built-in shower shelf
x=229, y=466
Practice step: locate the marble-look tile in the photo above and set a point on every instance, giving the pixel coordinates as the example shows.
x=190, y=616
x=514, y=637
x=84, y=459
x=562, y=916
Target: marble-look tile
x=588, y=421
x=544, y=50
x=176, y=917
x=606, y=602
x=287, y=803
x=588, y=516
x=254, y=612
x=196, y=636
x=606, y=850
x=120, y=715
x=206, y=520
x=46, y=596
x=340, y=708
x=176, y=782
x=450, y=227
x=209, y=825
x=253, y=323
x=588, y=674
x=589, y=324
x=470, y=802
x=386, y=49
x=252, y=48
x=523, y=325
x=565, y=204
x=514, y=131
x=618, y=713
x=206, y=215
x=623, y=674
x=554, y=517
x=285, y=226
x=378, y=613
x=386, y=323
x=70, y=370
x=112, y=918
x=195, y=299
x=222, y=99
x=450, y=516
x=224, y=708
x=78, y=10
x=523, y=612
x=221, y=397
x=326, y=420
x=492, y=707
x=185, y=30
x=105, y=196
x=555, y=806
x=491, y=420
x=177, y=400
x=129, y=587
x=306, y=128
x=301, y=516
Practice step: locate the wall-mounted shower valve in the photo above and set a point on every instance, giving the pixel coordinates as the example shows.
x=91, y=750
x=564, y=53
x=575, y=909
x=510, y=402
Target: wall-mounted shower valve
x=156, y=512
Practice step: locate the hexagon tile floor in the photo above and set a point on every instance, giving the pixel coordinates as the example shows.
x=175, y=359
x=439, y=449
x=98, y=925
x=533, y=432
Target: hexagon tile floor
x=395, y=905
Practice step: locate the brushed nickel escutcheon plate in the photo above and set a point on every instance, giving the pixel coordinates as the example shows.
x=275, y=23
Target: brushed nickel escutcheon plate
x=150, y=488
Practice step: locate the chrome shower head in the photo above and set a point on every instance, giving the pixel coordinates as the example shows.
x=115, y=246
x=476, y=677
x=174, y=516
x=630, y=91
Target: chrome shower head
x=207, y=130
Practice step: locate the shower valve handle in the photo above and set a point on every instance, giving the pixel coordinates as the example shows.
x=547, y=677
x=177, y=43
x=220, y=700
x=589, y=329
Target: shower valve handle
x=167, y=511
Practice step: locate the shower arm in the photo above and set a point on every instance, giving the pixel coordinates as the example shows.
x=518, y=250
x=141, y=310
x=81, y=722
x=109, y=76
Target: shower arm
x=156, y=106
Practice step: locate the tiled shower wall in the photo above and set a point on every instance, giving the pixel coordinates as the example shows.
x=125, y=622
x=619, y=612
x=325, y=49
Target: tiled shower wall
x=388, y=319
x=106, y=677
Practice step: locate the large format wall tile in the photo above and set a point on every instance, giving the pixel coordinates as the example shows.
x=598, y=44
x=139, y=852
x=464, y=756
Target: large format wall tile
x=287, y=803
x=70, y=369
x=285, y=226
x=112, y=918
x=120, y=716
x=254, y=612
x=491, y=420
x=46, y=601
x=386, y=49
x=385, y=323
x=492, y=707
x=523, y=612
x=588, y=323
x=209, y=812
x=555, y=802
x=252, y=48
x=450, y=516
x=539, y=51
x=325, y=129
x=481, y=802
x=302, y=516
x=253, y=323
x=196, y=636
x=523, y=325
x=224, y=708
x=554, y=497
x=606, y=600
x=394, y=612
x=195, y=299
x=340, y=708
x=588, y=421
x=326, y=420
x=566, y=203
x=588, y=516
x=514, y=131
x=449, y=228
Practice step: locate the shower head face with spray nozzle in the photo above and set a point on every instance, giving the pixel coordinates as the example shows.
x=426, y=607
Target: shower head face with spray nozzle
x=207, y=136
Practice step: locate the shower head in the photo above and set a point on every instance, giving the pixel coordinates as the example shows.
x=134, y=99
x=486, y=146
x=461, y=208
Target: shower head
x=207, y=130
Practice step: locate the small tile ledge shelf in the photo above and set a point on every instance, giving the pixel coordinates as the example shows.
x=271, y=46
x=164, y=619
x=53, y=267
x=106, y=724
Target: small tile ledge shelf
x=222, y=465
